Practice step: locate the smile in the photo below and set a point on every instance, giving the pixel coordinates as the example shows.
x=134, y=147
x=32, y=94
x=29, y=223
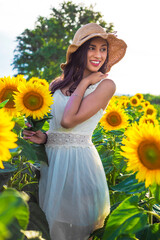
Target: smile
x=95, y=63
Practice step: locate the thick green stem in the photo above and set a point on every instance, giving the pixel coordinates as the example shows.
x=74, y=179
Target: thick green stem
x=153, y=214
x=15, y=176
x=150, y=212
x=114, y=177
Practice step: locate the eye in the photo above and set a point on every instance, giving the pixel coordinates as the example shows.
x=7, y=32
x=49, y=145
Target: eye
x=91, y=48
x=103, y=49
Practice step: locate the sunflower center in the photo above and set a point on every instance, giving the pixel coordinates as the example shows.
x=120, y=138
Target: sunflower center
x=149, y=111
x=134, y=101
x=149, y=121
x=33, y=101
x=149, y=155
x=114, y=119
x=7, y=93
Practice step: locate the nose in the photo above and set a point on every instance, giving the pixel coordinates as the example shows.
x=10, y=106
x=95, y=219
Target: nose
x=97, y=53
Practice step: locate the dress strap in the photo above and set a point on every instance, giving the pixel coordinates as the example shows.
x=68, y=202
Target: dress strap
x=91, y=88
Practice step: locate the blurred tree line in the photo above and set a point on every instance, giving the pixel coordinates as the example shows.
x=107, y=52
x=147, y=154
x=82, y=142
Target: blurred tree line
x=40, y=51
x=152, y=98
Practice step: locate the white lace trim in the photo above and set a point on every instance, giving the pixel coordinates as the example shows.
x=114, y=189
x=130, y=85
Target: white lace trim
x=68, y=139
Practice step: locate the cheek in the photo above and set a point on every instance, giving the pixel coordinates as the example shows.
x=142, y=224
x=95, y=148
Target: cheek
x=88, y=55
x=105, y=55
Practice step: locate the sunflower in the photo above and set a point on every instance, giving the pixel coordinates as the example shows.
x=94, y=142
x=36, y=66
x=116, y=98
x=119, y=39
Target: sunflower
x=146, y=104
x=114, y=118
x=150, y=110
x=7, y=137
x=33, y=100
x=141, y=107
x=124, y=98
x=124, y=103
x=2, y=79
x=140, y=96
x=148, y=119
x=127, y=104
x=141, y=148
x=36, y=80
x=8, y=86
x=134, y=101
x=21, y=78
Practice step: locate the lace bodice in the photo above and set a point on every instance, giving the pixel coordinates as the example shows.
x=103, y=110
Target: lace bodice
x=57, y=109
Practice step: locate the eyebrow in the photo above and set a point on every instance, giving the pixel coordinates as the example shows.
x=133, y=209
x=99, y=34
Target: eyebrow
x=101, y=45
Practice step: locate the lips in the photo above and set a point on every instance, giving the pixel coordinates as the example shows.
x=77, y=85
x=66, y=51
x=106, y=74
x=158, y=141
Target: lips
x=95, y=63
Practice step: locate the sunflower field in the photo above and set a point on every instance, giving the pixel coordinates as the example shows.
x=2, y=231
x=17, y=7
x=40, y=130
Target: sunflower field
x=128, y=141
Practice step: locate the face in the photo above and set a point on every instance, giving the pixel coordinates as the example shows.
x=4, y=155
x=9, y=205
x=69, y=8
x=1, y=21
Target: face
x=96, y=55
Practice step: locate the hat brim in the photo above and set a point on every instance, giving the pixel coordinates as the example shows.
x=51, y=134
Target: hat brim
x=117, y=48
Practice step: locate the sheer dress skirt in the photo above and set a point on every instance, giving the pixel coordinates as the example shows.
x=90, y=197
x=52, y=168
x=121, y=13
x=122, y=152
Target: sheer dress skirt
x=73, y=191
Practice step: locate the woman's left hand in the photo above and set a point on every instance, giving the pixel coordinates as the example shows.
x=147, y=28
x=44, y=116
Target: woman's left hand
x=36, y=137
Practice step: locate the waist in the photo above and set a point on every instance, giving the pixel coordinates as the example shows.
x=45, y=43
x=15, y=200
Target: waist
x=68, y=139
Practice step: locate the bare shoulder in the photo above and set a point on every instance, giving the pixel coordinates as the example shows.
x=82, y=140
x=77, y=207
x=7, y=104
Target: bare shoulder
x=107, y=85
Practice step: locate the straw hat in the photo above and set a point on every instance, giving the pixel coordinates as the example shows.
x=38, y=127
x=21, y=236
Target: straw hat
x=117, y=47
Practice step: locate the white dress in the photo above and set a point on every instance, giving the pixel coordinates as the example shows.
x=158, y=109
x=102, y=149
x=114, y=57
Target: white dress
x=73, y=191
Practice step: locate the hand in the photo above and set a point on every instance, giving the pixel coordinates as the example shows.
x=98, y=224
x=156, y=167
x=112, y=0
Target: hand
x=95, y=77
x=35, y=137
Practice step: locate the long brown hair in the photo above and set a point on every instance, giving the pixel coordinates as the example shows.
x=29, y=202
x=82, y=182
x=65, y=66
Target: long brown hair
x=74, y=70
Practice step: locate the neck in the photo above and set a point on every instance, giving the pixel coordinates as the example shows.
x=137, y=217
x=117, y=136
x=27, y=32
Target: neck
x=86, y=73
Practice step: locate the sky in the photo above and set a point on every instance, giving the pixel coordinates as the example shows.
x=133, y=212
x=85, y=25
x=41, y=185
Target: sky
x=136, y=22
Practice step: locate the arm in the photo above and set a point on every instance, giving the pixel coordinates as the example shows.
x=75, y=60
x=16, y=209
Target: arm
x=78, y=110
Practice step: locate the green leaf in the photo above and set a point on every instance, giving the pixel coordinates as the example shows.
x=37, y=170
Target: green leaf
x=127, y=237
x=40, y=152
x=150, y=232
x=6, y=173
x=38, y=124
x=130, y=186
x=38, y=221
x=127, y=218
x=8, y=168
x=19, y=124
x=15, y=230
x=13, y=205
x=156, y=208
x=97, y=136
x=45, y=127
x=27, y=149
x=31, y=188
x=31, y=151
x=2, y=104
x=155, y=190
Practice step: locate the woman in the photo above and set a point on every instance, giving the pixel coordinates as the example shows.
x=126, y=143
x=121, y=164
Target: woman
x=73, y=191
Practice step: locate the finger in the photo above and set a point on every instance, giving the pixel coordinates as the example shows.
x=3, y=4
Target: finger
x=39, y=131
x=26, y=138
x=28, y=133
x=28, y=124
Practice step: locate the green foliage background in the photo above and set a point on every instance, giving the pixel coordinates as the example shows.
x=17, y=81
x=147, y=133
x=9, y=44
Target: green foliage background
x=40, y=51
x=135, y=210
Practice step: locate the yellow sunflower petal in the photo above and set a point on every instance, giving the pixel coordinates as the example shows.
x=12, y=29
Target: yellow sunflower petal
x=150, y=110
x=148, y=119
x=134, y=101
x=142, y=152
x=33, y=100
x=7, y=137
x=114, y=118
x=7, y=88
